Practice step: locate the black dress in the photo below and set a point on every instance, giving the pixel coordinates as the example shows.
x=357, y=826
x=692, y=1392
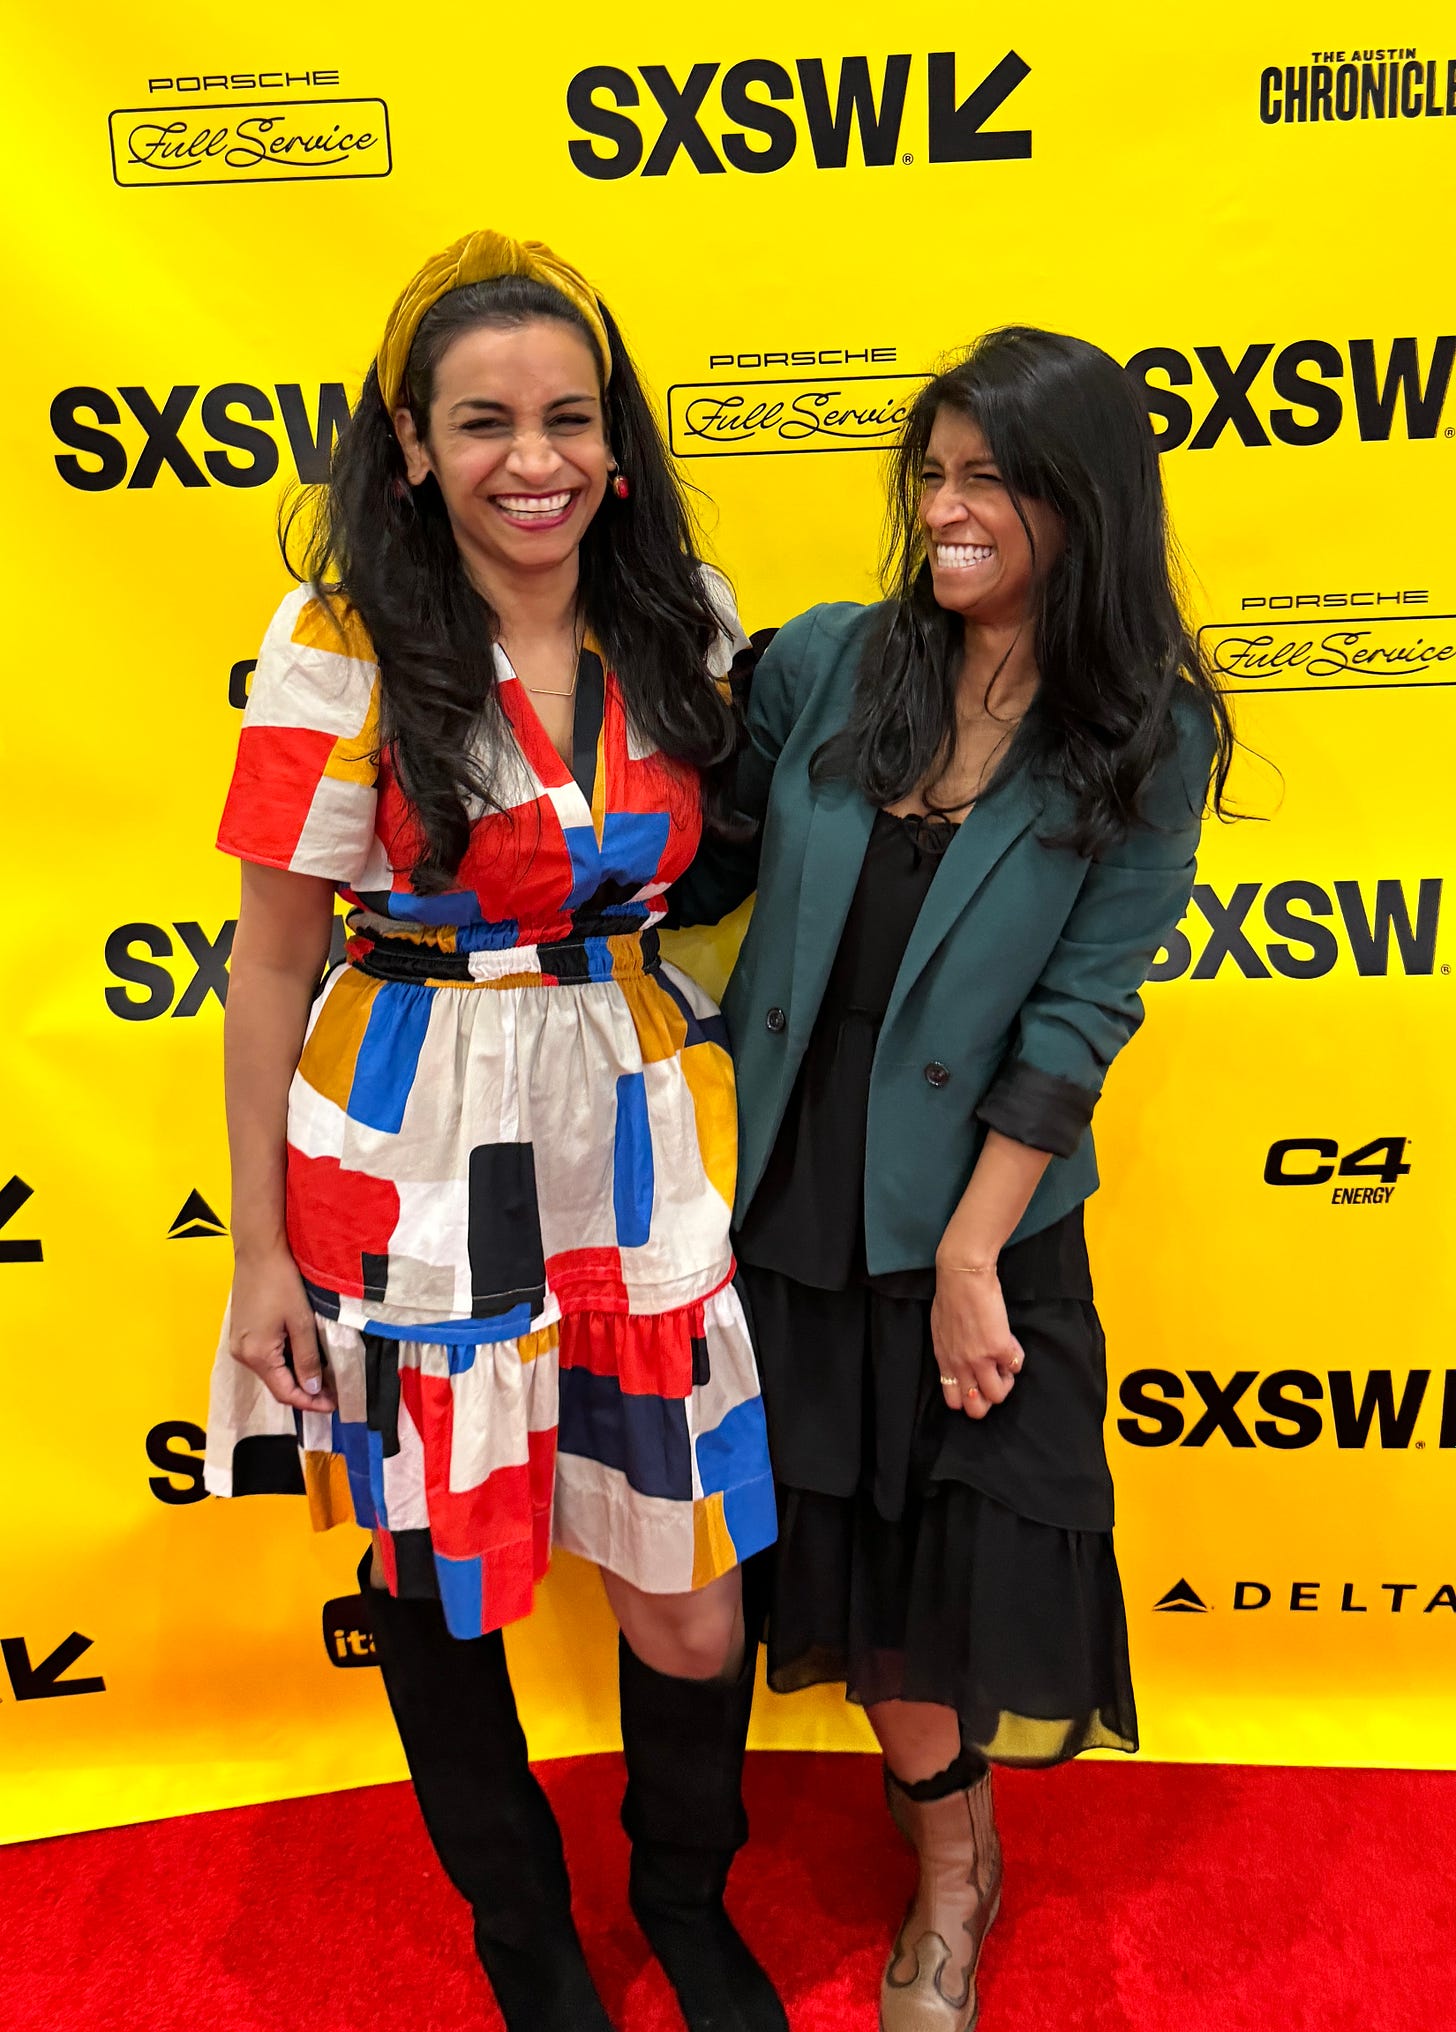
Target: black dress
x=924, y=1555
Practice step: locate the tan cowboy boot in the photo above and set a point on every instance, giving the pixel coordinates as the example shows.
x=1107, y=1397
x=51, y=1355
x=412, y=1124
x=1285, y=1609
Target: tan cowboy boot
x=930, y=1982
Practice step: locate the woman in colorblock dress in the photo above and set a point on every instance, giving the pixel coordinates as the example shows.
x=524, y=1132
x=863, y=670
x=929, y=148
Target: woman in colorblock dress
x=483, y=1297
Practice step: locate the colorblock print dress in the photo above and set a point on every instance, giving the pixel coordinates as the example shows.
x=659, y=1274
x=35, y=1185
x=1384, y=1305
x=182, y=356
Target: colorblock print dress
x=511, y=1152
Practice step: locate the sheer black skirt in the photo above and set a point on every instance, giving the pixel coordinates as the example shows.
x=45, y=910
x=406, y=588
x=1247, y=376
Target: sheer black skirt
x=925, y=1556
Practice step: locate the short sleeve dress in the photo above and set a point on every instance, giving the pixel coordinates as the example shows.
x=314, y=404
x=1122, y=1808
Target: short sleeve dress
x=511, y=1155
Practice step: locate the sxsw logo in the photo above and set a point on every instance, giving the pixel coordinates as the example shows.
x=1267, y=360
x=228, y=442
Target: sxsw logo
x=149, y=988
x=152, y=976
x=715, y=117
x=43, y=1677
x=1308, y=381
x=1385, y=926
x=176, y=1447
x=235, y=419
x=17, y=1248
x=1286, y=1409
x=1304, y=1597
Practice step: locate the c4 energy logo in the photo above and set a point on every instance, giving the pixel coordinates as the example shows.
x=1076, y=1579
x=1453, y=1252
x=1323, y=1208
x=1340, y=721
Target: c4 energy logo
x=1315, y=386
x=715, y=117
x=1383, y=927
x=259, y=141
x=1358, y=84
x=1286, y=1409
x=1316, y=1160
x=101, y=450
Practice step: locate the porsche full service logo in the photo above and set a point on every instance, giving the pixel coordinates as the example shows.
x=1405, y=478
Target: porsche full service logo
x=195, y=135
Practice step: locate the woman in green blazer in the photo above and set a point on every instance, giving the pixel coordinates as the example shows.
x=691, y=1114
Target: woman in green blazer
x=974, y=810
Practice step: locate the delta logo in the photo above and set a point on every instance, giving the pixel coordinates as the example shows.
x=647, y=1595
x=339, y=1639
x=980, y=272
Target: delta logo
x=1308, y=1597
x=757, y=115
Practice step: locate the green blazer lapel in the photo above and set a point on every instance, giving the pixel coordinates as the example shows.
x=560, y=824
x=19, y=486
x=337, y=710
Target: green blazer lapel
x=839, y=832
x=983, y=837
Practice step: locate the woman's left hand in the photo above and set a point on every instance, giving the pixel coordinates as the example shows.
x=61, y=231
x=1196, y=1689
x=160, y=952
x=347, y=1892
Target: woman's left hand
x=977, y=1353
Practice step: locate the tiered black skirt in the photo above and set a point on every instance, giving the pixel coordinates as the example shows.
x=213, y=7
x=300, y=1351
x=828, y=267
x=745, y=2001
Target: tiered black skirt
x=925, y=1556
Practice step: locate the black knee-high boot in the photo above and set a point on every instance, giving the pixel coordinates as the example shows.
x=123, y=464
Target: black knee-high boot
x=489, y=1820
x=684, y=1740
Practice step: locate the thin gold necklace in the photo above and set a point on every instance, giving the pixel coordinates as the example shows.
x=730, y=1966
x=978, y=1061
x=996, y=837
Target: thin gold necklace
x=545, y=691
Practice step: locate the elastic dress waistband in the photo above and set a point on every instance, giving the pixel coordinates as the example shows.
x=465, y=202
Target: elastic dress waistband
x=566, y=963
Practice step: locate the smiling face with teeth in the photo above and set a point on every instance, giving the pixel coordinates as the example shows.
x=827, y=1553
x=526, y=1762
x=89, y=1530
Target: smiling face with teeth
x=517, y=445
x=982, y=562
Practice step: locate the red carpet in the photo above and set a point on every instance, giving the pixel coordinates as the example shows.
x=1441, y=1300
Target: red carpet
x=1139, y=1898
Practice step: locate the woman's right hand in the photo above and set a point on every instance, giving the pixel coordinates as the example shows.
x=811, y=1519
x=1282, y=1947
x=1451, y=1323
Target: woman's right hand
x=273, y=1332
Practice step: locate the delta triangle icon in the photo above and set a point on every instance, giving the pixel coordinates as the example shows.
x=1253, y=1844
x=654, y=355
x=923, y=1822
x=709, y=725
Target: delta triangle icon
x=1182, y=1600
x=195, y=1220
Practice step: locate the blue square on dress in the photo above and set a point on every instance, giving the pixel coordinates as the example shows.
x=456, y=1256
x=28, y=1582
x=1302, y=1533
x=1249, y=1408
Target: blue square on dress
x=389, y=1055
x=363, y=1453
x=633, y=843
x=461, y=1596
x=586, y=864
x=644, y=1438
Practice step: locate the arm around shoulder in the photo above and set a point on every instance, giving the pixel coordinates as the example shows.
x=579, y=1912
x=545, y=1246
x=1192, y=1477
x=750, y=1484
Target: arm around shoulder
x=765, y=676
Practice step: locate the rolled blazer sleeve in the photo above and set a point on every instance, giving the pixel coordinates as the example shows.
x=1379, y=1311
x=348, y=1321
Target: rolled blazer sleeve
x=1087, y=1002
x=724, y=871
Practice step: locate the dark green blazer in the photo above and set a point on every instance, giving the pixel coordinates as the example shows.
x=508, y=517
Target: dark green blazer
x=1020, y=982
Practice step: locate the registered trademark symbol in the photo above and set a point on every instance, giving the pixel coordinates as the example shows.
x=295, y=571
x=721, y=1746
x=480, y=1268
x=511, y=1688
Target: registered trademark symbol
x=1449, y=431
x=1420, y=1446
x=911, y=158
x=1445, y=966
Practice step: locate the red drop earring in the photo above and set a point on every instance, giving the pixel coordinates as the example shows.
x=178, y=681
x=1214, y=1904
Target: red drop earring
x=620, y=487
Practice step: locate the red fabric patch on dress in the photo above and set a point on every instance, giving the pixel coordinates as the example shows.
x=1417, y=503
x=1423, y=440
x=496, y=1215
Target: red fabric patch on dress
x=585, y=1278
x=272, y=790
x=335, y=1218
x=650, y=1354
x=542, y=1469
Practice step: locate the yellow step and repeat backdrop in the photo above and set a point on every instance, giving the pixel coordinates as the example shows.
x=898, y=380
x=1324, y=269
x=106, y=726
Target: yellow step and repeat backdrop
x=793, y=217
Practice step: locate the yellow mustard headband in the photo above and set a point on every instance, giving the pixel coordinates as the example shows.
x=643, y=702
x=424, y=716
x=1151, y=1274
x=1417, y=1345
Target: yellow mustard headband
x=479, y=257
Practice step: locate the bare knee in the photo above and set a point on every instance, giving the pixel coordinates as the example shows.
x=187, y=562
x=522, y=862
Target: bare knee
x=687, y=1636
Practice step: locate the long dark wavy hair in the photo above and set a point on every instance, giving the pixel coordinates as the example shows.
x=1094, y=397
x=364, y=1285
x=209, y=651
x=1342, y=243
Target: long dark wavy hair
x=387, y=550
x=1111, y=643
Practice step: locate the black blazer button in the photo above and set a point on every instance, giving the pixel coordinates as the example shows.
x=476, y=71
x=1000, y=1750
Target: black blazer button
x=775, y=1021
x=936, y=1073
